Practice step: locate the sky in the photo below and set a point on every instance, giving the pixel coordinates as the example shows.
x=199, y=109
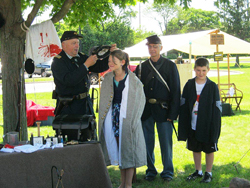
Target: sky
x=147, y=22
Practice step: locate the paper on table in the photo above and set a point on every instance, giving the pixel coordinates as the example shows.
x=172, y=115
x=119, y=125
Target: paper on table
x=7, y=150
x=27, y=148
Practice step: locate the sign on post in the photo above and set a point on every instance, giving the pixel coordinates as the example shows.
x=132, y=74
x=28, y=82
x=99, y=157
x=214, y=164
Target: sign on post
x=217, y=39
x=218, y=56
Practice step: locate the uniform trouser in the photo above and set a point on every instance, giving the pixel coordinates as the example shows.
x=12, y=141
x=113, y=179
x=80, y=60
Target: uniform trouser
x=165, y=131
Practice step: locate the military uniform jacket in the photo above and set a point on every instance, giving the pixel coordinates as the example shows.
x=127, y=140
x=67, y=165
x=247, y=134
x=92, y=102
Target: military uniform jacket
x=158, y=90
x=209, y=112
x=71, y=78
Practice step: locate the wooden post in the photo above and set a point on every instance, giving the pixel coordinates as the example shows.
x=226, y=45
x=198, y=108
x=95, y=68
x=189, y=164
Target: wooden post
x=228, y=72
x=218, y=66
x=228, y=68
x=38, y=128
x=190, y=51
x=218, y=39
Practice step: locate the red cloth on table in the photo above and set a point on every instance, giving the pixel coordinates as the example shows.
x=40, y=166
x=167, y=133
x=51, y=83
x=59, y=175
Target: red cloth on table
x=36, y=112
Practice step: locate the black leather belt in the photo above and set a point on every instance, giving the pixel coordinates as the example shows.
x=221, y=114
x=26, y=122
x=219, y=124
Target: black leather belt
x=164, y=104
x=81, y=95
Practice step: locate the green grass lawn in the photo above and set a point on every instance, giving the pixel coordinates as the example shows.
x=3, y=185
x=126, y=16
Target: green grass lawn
x=233, y=143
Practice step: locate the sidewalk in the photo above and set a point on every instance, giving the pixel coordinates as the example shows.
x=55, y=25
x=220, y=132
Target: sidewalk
x=214, y=73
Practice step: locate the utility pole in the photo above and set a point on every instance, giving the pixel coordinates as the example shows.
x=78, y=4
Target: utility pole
x=80, y=42
x=247, y=8
x=140, y=16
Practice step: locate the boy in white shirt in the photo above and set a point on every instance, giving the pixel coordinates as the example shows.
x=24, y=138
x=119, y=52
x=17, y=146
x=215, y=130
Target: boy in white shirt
x=200, y=119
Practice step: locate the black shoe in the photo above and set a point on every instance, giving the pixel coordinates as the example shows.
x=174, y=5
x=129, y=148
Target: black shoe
x=167, y=179
x=149, y=178
x=207, y=178
x=194, y=176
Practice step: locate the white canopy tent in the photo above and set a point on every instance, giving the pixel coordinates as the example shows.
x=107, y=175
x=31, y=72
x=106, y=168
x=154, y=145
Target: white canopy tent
x=198, y=43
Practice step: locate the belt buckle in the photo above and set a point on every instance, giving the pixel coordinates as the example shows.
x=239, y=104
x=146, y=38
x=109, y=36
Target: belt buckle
x=152, y=101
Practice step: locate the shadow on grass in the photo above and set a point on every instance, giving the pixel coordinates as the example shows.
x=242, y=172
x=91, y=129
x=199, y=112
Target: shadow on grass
x=243, y=112
x=244, y=66
x=114, y=173
x=222, y=175
x=238, y=113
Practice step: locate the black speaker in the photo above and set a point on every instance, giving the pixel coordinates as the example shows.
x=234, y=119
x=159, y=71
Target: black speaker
x=227, y=109
x=76, y=127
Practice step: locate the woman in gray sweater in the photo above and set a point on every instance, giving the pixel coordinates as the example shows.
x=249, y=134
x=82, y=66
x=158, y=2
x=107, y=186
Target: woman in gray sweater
x=121, y=105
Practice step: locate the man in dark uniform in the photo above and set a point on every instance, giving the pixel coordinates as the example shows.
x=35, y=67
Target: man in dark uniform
x=70, y=71
x=162, y=106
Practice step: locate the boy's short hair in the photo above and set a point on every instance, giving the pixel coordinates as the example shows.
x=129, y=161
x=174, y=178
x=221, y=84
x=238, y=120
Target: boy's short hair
x=201, y=62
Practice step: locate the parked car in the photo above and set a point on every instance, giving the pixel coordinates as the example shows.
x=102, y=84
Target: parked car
x=43, y=69
x=94, y=76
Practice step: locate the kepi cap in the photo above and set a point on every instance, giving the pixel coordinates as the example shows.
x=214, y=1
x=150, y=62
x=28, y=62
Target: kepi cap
x=154, y=39
x=67, y=35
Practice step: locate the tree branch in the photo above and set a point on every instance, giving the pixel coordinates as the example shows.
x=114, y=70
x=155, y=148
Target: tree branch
x=64, y=10
x=33, y=13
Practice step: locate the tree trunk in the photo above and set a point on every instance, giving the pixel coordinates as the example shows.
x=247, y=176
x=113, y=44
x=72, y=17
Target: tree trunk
x=12, y=47
x=14, y=104
x=237, y=63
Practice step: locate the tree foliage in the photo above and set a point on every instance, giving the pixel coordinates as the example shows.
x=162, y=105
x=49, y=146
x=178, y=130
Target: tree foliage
x=235, y=18
x=114, y=30
x=164, y=13
x=174, y=19
x=190, y=20
x=141, y=34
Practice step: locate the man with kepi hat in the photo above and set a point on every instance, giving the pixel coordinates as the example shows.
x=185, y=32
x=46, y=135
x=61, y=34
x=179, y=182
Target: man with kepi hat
x=161, y=82
x=70, y=70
